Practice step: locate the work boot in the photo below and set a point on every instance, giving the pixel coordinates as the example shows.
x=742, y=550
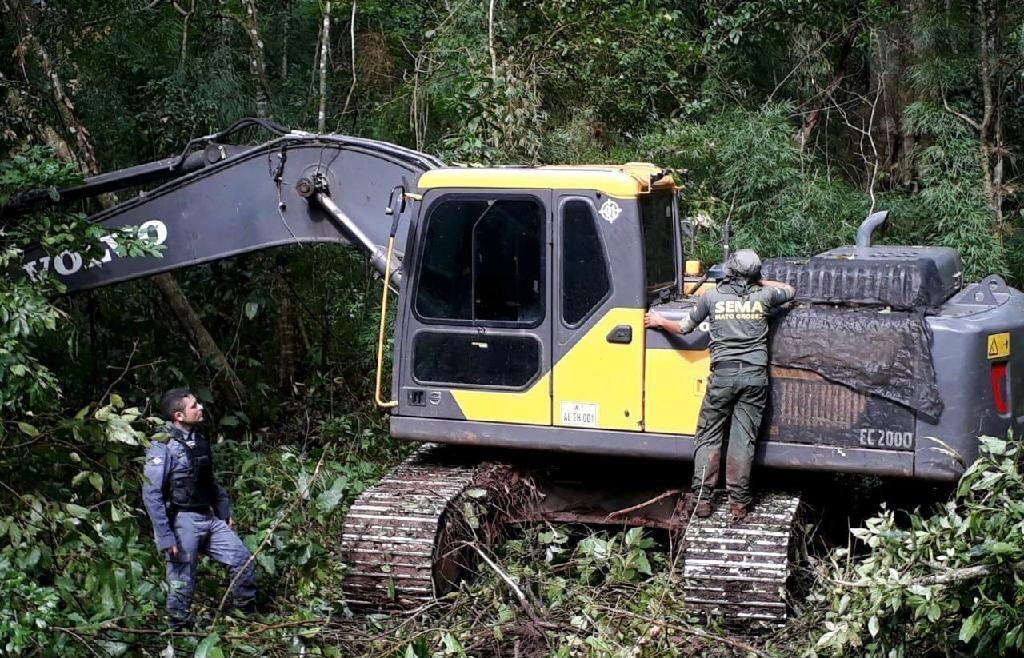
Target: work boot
x=738, y=511
x=691, y=506
x=697, y=503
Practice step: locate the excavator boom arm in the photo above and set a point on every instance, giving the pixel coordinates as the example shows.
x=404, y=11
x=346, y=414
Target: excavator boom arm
x=295, y=189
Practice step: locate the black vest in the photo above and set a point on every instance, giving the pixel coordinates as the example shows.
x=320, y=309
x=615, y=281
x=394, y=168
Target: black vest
x=192, y=488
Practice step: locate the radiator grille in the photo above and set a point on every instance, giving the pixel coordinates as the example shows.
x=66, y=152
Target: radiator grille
x=806, y=408
x=807, y=402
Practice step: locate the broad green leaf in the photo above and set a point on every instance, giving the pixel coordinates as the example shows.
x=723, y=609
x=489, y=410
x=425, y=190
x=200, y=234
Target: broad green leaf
x=642, y=564
x=30, y=430
x=970, y=627
x=266, y=562
x=76, y=510
x=329, y=499
x=209, y=648
x=452, y=644
x=1002, y=548
x=873, y=626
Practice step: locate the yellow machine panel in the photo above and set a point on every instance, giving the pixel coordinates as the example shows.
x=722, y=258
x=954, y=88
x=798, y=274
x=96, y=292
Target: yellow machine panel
x=599, y=384
x=623, y=181
x=529, y=407
x=675, y=383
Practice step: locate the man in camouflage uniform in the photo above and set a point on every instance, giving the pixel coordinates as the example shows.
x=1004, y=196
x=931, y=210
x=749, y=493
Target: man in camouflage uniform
x=190, y=510
x=737, y=310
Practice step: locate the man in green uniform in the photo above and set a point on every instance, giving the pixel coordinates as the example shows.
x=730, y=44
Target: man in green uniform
x=737, y=310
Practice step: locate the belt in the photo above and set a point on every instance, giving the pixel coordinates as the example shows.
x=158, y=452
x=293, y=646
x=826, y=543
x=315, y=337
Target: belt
x=200, y=509
x=736, y=365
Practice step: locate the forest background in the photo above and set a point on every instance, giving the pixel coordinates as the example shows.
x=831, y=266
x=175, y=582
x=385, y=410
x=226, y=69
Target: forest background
x=792, y=119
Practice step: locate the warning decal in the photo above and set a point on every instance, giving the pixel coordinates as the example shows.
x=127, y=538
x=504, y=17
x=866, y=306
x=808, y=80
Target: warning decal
x=999, y=345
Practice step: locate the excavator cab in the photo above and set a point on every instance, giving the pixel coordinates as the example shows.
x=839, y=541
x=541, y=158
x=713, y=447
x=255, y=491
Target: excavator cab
x=526, y=295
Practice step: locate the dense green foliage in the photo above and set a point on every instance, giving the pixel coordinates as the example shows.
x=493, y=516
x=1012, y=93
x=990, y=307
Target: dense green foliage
x=791, y=118
x=945, y=582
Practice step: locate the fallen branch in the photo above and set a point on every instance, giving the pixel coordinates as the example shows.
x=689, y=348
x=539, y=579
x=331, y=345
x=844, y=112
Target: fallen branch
x=524, y=603
x=947, y=577
x=646, y=503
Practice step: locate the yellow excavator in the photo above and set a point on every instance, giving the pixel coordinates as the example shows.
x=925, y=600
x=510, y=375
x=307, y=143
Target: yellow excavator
x=520, y=355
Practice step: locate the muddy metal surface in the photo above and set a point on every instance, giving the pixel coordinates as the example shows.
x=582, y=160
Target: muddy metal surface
x=403, y=540
x=407, y=540
x=740, y=570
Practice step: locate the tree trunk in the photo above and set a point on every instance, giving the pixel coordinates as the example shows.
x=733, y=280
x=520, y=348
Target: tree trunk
x=990, y=127
x=286, y=335
x=287, y=29
x=257, y=58
x=838, y=73
x=325, y=40
x=889, y=61
x=84, y=156
x=225, y=376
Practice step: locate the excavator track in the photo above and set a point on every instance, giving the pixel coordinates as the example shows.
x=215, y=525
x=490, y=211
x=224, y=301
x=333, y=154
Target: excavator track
x=740, y=570
x=404, y=538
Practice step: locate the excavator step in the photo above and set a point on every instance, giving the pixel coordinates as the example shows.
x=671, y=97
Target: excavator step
x=741, y=570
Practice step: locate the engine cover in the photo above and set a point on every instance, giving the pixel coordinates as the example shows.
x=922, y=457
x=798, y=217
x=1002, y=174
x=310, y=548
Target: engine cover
x=903, y=278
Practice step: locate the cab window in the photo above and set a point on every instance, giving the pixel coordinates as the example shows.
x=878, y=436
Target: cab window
x=658, y=220
x=585, y=279
x=483, y=263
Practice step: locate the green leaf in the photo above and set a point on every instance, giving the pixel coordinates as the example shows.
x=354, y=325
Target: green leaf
x=970, y=627
x=873, y=626
x=96, y=480
x=329, y=499
x=451, y=644
x=250, y=309
x=642, y=564
x=28, y=429
x=76, y=511
x=208, y=647
x=266, y=562
x=113, y=648
x=1002, y=548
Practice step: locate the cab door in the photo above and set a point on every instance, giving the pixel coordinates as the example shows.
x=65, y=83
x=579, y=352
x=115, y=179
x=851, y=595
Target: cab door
x=599, y=301
x=477, y=322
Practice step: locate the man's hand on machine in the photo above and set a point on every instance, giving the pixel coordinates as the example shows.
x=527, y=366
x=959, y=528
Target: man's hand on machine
x=654, y=320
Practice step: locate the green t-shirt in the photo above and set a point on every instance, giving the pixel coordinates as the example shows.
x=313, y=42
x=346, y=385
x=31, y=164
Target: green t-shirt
x=738, y=317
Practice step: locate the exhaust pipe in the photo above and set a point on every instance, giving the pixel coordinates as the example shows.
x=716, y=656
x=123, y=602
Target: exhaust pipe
x=868, y=226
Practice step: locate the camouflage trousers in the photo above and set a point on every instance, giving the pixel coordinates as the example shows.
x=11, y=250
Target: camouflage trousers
x=737, y=397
